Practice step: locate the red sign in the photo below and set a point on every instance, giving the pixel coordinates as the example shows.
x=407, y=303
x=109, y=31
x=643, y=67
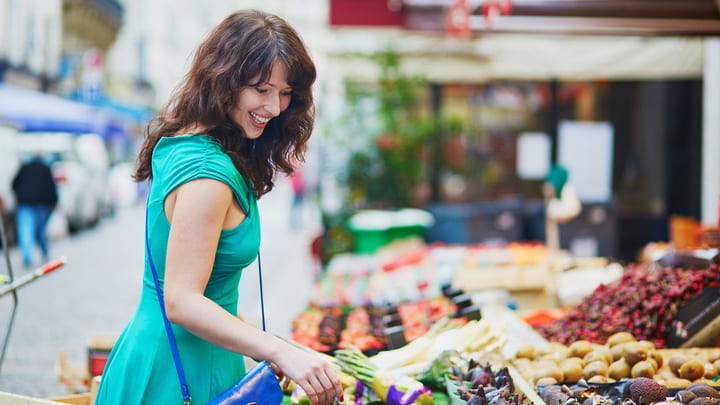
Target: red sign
x=379, y=13
x=458, y=19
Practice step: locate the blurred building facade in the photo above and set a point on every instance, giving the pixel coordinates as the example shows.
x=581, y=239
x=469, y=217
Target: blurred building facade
x=30, y=42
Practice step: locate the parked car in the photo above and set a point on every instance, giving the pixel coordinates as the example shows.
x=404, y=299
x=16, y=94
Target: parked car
x=80, y=165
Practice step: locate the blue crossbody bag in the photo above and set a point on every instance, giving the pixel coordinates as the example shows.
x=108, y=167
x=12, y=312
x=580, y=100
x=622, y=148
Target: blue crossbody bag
x=259, y=386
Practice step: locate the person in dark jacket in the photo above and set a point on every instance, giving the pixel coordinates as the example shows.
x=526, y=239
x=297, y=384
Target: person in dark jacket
x=36, y=195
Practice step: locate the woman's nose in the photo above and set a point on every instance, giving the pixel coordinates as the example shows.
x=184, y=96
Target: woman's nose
x=272, y=104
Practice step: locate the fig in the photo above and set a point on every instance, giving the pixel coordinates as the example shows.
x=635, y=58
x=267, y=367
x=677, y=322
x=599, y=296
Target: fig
x=703, y=390
x=703, y=401
x=685, y=396
x=618, y=338
x=692, y=370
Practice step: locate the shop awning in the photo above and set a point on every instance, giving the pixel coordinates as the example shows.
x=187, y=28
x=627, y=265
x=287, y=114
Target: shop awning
x=518, y=56
x=32, y=111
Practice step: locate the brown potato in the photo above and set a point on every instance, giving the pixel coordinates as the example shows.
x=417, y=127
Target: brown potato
x=572, y=360
x=618, y=338
x=710, y=372
x=692, y=370
x=552, y=347
x=598, y=379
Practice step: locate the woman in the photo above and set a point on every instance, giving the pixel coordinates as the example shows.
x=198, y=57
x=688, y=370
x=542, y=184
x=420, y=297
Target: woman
x=244, y=111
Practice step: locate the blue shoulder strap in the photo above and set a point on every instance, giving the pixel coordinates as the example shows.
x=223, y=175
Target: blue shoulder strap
x=168, y=329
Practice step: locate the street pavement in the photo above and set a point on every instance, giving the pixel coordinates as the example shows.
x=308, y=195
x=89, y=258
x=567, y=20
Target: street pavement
x=96, y=293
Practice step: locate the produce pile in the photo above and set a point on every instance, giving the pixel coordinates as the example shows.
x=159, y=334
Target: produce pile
x=620, y=359
x=328, y=329
x=638, y=391
x=325, y=330
x=643, y=303
x=480, y=385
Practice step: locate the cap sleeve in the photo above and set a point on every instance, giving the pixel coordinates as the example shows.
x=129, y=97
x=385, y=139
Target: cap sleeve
x=178, y=160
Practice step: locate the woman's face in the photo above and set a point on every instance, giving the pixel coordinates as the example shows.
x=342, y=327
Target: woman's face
x=257, y=105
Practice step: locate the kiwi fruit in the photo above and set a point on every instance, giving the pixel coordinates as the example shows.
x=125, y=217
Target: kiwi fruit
x=598, y=355
x=634, y=352
x=618, y=338
x=598, y=379
x=552, y=347
x=677, y=383
x=713, y=356
x=572, y=371
x=553, y=372
x=642, y=369
x=617, y=350
x=692, y=370
x=710, y=372
x=653, y=362
x=658, y=357
x=716, y=366
x=580, y=348
x=545, y=381
x=595, y=368
x=619, y=370
x=525, y=352
x=647, y=344
x=675, y=362
x=572, y=360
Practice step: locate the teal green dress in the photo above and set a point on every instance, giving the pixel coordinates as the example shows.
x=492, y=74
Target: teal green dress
x=140, y=368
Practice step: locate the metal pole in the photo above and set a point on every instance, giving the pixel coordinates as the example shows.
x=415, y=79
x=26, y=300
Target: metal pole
x=6, y=250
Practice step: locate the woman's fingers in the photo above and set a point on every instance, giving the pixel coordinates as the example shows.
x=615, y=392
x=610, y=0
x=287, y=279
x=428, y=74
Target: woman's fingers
x=310, y=392
x=328, y=388
x=335, y=381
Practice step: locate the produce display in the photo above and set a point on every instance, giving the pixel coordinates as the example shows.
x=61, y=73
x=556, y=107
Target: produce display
x=481, y=385
x=643, y=303
x=622, y=357
x=329, y=329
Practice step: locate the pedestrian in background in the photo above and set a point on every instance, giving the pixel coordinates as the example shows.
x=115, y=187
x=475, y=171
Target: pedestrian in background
x=297, y=181
x=243, y=113
x=36, y=196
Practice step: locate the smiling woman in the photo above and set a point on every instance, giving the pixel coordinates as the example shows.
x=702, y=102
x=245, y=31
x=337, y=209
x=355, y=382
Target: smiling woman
x=243, y=113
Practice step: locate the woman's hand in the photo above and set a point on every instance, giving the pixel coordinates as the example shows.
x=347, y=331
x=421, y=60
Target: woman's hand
x=313, y=374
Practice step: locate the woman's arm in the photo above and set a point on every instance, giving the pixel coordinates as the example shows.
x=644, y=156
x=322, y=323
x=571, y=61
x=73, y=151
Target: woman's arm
x=196, y=220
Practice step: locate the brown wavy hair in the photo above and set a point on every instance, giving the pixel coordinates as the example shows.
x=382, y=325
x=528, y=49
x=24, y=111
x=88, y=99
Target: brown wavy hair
x=238, y=53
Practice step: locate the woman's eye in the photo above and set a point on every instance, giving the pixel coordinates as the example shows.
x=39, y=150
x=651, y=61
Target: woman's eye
x=286, y=93
x=261, y=91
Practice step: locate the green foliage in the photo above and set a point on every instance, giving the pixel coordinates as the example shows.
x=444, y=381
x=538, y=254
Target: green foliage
x=387, y=174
